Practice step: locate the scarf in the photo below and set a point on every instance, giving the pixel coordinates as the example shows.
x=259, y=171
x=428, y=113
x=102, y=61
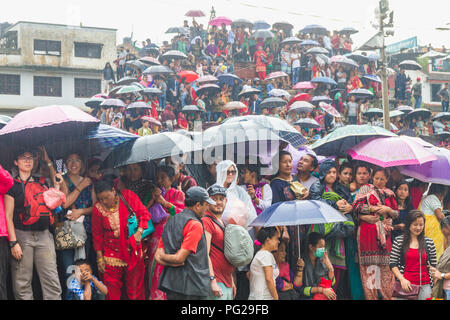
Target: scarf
x=443, y=266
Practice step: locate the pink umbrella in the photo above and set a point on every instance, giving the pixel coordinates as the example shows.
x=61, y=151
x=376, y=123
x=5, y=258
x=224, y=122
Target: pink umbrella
x=391, y=151
x=151, y=120
x=335, y=59
x=195, y=13
x=219, y=21
x=330, y=109
x=304, y=85
x=277, y=74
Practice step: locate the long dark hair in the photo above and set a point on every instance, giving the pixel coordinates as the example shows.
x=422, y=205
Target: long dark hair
x=410, y=218
x=408, y=203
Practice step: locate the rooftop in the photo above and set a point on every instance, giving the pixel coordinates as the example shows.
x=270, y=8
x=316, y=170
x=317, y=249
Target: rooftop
x=58, y=25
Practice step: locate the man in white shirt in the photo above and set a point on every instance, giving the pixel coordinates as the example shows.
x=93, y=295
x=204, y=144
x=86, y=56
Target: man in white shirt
x=306, y=166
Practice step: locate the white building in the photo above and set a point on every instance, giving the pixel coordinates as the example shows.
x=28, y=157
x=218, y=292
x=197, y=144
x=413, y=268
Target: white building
x=46, y=64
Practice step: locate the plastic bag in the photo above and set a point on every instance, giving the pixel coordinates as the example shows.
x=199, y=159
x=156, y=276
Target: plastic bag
x=235, y=213
x=54, y=198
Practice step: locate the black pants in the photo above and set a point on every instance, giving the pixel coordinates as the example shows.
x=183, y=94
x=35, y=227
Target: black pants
x=178, y=296
x=242, y=286
x=4, y=267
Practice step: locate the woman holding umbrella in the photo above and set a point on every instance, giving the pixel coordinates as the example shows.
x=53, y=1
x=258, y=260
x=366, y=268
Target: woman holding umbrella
x=260, y=58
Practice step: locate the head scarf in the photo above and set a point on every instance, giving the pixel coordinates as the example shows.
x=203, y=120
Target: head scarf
x=325, y=167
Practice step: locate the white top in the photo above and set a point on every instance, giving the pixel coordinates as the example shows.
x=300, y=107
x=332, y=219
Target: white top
x=266, y=200
x=295, y=60
x=430, y=204
x=308, y=183
x=258, y=286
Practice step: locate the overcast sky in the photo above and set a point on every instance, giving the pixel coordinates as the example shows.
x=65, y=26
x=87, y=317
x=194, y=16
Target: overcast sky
x=151, y=18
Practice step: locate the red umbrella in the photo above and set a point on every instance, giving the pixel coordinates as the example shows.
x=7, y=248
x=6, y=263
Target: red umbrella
x=195, y=13
x=219, y=20
x=300, y=97
x=151, y=120
x=190, y=76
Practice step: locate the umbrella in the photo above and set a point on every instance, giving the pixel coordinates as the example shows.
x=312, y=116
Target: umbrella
x=431, y=172
x=158, y=70
x=112, y=103
x=347, y=62
x=325, y=80
x=4, y=120
x=152, y=91
x=337, y=58
x=318, y=99
x=139, y=85
x=330, y=109
x=94, y=102
x=390, y=72
x=259, y=25
x=219, y=21
x=445, y=116
x=343, y=138
x=126, y=81
x=178, y=30
x=409, y=65
x=129, y=89
x=373, y=112
x=301, y=107
x=290, y=41
x=208, y=89
x=150, y=61
x=323, y=59
x=191, y=108
x=234, y=105
x=156, y=146
x=358, y=58
x=152, y=120
x=279, y=93
x=404, y=109
x=314, y=28
x=317, y=50
x=242, y=23
x=424, y=113
x=310, y=43
x=228, y=79
x=361, y=93
x=139, y=105
x=189, y=76
x=173, y=54
x=307, y=123
x=348, y=31
x=442, y=135
x=276, y=74
x=373, y=57
x=248, y=92
x=391, y=151
x=282, y=26
x=195, y=13
x=113, y=92
x=273, y=102
x=136, y=65
x=304, y=85
x=372, y=77
x=193, y=41
x=300, y=97
x=395, y=113
x=42, y=125
x=206, y=79
x=263, y=34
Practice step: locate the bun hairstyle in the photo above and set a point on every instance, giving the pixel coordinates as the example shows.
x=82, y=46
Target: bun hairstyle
x=104, y=185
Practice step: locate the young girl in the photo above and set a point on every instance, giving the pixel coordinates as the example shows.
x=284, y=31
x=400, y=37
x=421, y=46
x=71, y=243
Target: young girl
x=404, y=206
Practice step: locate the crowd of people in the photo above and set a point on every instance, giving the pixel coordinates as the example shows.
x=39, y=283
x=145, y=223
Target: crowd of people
x=394, y=243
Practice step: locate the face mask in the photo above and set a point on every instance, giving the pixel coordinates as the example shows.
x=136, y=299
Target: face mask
x=320, y=252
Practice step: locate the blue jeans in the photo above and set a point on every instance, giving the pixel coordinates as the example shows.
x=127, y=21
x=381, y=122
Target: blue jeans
x=447, y=294
x=162, y=101
x=295, y=75
x=444, y=106
x=417, y=102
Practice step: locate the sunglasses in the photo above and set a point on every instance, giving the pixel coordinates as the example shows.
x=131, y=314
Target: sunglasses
x=231, y=173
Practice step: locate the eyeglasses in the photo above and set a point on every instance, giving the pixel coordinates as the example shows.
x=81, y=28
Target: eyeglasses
x=73, y=161
x=231, y=173
x=23, y=158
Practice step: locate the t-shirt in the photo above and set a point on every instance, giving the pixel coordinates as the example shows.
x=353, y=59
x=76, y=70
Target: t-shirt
x=222, y=268
x=287, y=56
x=352, y=109
x=258, y=286
x=295, y=60
x=308, y=183
x=16, y=192
x=444, y=94
x=430, y=204
x=192, y=234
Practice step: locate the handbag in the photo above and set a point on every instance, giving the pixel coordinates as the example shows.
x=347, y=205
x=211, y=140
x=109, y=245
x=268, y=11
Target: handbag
x=71, y=235
x=414, y=293
x=133, y=223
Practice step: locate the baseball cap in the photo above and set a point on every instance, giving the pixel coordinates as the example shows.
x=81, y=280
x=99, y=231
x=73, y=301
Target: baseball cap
x=199, y=194
x=216, y=189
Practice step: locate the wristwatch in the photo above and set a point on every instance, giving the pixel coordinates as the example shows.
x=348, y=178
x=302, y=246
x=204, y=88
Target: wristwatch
x=12, y=244
x=212, y=278
x=443, y=276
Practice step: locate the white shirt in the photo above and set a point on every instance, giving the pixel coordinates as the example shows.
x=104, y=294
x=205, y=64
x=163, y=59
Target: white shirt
x=258, y=285
x=308, y=183
x=295, y=57
x=430, y=204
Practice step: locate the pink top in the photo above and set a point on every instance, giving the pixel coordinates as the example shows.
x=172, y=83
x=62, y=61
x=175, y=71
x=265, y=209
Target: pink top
x=6, y=182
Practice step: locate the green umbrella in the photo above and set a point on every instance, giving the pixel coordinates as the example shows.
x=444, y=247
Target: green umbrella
x=344, y=138
x=129, y=89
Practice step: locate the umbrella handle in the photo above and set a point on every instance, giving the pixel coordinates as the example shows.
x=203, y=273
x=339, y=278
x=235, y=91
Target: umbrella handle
x=298, y=236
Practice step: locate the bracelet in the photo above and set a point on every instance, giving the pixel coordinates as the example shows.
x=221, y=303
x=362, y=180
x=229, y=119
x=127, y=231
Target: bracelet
x=50, y=164
x=78, y=189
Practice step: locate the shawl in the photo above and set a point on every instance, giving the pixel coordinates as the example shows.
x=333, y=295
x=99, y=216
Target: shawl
x=443, y=266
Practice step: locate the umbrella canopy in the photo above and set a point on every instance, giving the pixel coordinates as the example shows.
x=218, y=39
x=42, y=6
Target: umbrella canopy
x=94, y=102
x=242, y=23
x=374, y=57
x=325, y=80
x=136, y=65
x=396, y=113
x=409, y=65
x=323, y=59
x=129, y=89
x=152, y=91
x=358, y=58
x=248, y=92
x=299, y=212
x=390, y=72
x=347, y=62
x=151, y=120
x=307, y=123
x=444, y=116
x=158, y=70
x=189, y=76
x=173, y=54
x=219, y=21
x=432, y=172
x=156, y=146
x=309, y=42
x=234, y=105
x=276, y=74
x=139, y=105
x=314, y=28
x=348, y=31
x=404, y=109
x=317, y=50
x=260, y=25
x=228, y=79
x=304, y=85
x=195, y=13
x=191, y=108
x=344, y=138
x=206, y=79
x=112, y=103
x=273, y=102
x=424, y=113
x=361, y=93
x=126, y=81
x=318, y=99
x=208, y=89
x=262, y=34
x=373, y=112
x=43, y=125
x=150, y=61
x=330, y=109
x=372, y=77
x=279, y=93
x=290, y=41
x=391, y=151
x=442, y=135
x=182, y=30
x=301, y=107
x=283, y=26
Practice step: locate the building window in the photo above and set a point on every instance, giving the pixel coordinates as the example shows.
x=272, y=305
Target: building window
x=435, y=88
x=86, y=88
x=88, y=50
x=47, y=87
x=47, y=47
x=9, y=84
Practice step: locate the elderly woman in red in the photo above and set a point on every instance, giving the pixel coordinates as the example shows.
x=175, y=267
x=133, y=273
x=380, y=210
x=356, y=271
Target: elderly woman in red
x=119, y=258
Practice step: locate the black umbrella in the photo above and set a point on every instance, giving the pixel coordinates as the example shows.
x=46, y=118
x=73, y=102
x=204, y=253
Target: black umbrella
x=178, y=30
x=263, y=34
x=94, y=102
x=139, y=105
x=152, y=91
x=173, y=54
x=358, y=58
x=243, y=23
x=248, y=92
x=348, y=31
x=191, y=108
x=283, y=26
x=4, y=120
x=409, y=65
x=445, y=116
x=318, y=99
x=291, y=40
x=424, y=113
x=150, y=60
x=126, y=81
x=136, y=65
x=273, y=102
x=442, y=135
x=208, y=89
x=307, y=123
x=158, y=71
x=317, y=50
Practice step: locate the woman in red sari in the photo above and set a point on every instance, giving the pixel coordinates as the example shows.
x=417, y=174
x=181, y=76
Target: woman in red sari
x=374, y=208
x=172, y=200
x=119, y=258
x=260, y=57
x=182, y=122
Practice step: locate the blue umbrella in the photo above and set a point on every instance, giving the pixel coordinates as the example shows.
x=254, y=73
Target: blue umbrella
x=314, y=28
x=372, y=77
x=228, y=79
x=310, y=43
x=325, y=80
x=258, y=25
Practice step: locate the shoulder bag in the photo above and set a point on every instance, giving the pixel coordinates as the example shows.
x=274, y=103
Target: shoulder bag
x=414, y=293
x=132, y=221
